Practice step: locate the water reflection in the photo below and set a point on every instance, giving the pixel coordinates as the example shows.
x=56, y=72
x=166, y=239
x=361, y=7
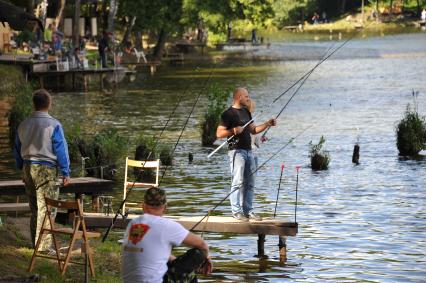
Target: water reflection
x=357, y=223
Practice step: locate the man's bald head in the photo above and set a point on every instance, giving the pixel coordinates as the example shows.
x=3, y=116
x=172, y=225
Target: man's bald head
x=238, y=92
x=241, y=97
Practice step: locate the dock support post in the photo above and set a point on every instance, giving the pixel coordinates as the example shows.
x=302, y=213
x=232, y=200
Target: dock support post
x=261, y=246
x=283, y=248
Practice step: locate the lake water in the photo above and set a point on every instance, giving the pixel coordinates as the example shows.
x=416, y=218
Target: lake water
x=364, y=223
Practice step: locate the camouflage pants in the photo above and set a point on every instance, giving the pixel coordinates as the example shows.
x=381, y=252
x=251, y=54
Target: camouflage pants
x=40, y=181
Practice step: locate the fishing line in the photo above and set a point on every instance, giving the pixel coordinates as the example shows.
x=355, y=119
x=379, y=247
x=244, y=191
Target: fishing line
x=305, y=78
x=289, y=88
x=189, y=116
x=119, y=210
x=257, y=169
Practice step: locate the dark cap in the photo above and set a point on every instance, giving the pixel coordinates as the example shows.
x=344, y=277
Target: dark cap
x=155, y=197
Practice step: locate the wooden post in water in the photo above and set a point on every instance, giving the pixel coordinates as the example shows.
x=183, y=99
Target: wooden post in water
x=261, y=246
x=282, y=248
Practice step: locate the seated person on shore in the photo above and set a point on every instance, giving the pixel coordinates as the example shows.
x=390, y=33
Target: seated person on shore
x=148, y=242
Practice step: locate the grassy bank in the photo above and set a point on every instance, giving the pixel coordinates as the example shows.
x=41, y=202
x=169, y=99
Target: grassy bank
x=16, y=252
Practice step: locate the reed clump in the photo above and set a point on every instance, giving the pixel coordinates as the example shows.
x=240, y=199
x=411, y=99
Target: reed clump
x=105, y=149
x=411, y=132
x=218, y=97
x=320, y=158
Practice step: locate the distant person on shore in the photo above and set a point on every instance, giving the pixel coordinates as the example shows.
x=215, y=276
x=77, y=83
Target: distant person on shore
x=240, y=153
x=48, y=32
x=229, y=31
x=103, y=46
x=40, y=149
x=254, y=36
x=148, y=242
x=423, y=16
x=315, y=18
x=324, y=17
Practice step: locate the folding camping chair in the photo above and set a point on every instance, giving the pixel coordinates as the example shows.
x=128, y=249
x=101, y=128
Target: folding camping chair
x=78, y=231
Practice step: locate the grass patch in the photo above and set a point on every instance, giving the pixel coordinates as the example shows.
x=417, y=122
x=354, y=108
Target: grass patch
x=218, y=97
x=15, y=257
x=411, y=131
x=319, y=157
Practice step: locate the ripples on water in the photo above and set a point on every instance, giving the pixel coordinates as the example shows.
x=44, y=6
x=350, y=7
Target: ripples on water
x=356, y=223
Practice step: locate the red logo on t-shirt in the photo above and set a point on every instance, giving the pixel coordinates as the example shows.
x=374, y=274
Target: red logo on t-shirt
x=137, y=232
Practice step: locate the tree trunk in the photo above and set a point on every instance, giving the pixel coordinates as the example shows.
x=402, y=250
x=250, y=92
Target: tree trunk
x=104, y=15
x=128, y=30
x=60, y=15
x=76, y=24
x=343, y=7
x=113, y=5
x=391, y=7
x=138, y=40
x=418, y=8
x=159, y=47
x=29, y=4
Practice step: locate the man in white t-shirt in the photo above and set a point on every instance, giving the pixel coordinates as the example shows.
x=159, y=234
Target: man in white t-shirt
x=148, y=243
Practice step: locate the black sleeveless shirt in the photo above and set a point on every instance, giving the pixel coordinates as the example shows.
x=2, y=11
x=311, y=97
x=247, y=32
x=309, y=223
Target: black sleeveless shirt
x=233, y=117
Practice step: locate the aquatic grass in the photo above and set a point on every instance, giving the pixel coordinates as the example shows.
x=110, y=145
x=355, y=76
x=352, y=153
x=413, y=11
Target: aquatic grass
x=21, y=109
x=73, y=137
x=411, y=132
x=218, y=98
x=319, y=157
x=106, y=149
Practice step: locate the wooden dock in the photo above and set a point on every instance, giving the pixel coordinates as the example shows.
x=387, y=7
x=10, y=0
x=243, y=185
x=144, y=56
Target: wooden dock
x=216, y=224
x=242, y=46
x=84, y=73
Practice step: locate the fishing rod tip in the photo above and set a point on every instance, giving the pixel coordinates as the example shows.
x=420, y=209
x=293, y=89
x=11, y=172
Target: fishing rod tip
x=282, y=167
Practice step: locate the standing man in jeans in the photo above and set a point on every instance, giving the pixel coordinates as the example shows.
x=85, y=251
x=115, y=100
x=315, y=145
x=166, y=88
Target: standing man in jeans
x=40, y=149
x=240, y=155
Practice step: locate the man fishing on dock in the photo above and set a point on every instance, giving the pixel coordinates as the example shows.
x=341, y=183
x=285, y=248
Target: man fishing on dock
x=240, y=153
x=148, y=242
x=40, y=149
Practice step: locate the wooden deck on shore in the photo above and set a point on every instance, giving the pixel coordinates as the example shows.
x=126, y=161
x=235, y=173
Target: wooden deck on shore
x=218, y=224
x=84, y=185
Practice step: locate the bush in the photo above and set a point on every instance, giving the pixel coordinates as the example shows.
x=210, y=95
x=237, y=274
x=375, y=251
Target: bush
x=411, y=133
x=104, y=149
x=218, y=97
x=21, y=109
x=319, y=157
x=73, y=137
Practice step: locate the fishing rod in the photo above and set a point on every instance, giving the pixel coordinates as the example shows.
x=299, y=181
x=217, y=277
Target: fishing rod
x=278, y=192
x=257, y=169
x=189, y=116
x=119, y=210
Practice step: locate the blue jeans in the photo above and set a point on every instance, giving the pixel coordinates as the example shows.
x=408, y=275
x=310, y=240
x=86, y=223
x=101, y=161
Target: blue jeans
x=242, y=168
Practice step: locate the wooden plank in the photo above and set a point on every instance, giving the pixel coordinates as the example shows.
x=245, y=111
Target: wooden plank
x=218, y=224
x=23, y=206
x=82, y=185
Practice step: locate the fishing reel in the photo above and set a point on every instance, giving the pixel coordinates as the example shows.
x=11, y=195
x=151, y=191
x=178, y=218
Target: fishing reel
x=232, y=143
x=264, y=139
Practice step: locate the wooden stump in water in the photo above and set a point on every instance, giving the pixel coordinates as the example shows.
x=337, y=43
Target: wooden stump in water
x=355, y=155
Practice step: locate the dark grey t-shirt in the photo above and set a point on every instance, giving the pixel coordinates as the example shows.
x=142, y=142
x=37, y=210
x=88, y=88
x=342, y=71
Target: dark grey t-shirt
x=233, y=117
